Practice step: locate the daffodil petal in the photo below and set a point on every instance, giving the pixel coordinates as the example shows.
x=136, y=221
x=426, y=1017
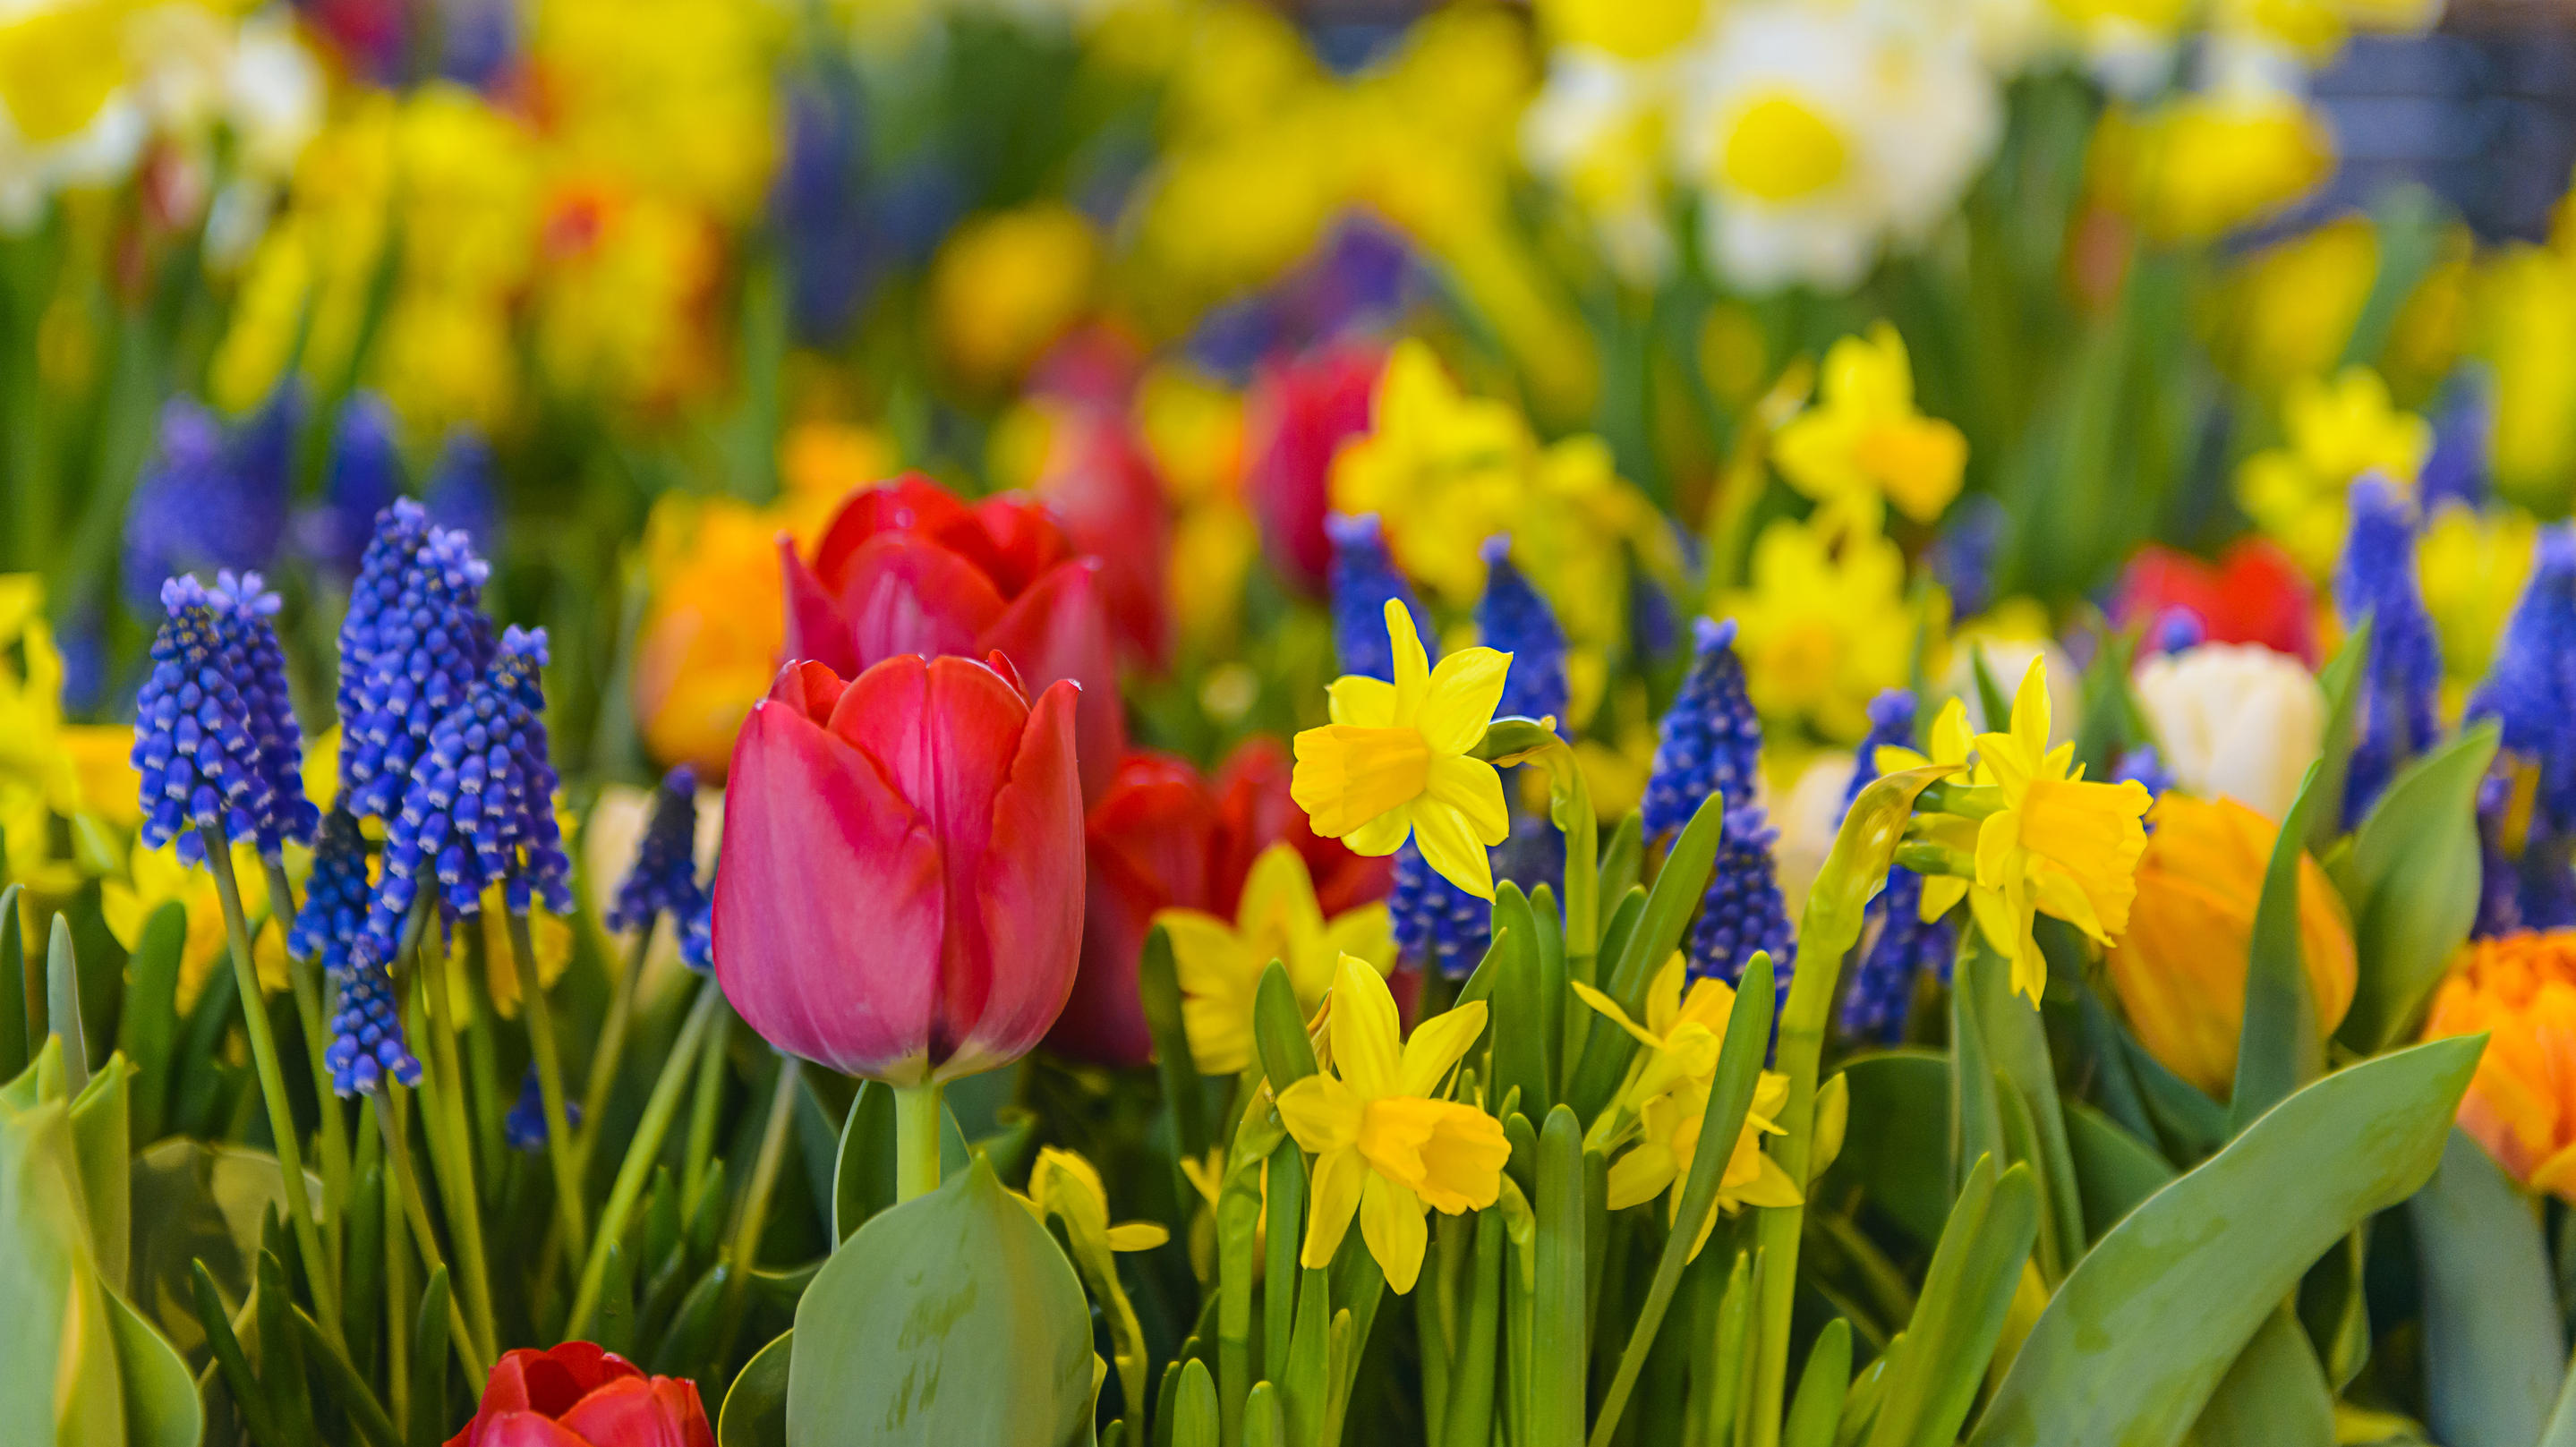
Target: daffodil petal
x=1365, y=1030
x=1464, y=692
x=1333, y=1197
x=1380, y=836
x=1356, y=698
x=1412, y=665
x=1322, y=1113
x=1137, y=1236
x=1391, y=1222
x=1607, y=1006
x=1473, y=790
x=1437, y=1044
x=1453, y=851
x=1641, y=1175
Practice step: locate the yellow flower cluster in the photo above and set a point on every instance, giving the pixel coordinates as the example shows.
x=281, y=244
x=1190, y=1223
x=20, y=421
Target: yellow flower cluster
x=52, y=770
x=2336, y=431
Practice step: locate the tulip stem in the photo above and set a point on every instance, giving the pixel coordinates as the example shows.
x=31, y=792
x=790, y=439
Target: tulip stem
x=560, y=1150
x=612, y=1046
x=319, y=1266
x=916, y=1139
x=334, y=1146
x=641, y=1151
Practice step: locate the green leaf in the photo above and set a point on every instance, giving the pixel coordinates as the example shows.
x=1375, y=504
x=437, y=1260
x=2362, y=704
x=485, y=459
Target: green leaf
x=148, y=1028
x=863, y=1176
x=2277, y=1049
x=2016, y=1046
x=195, y=1203
x=2275, y=1395
x=1621, y=860
x=755, y=1406
x=2493, y=1348
x=1935, y=1368
x=1819, y=1402
x=2114, y=1170
x=249, y=1398
x=1994, y=706
x=1158, y=986
x=1522, y=1043
x=427, y=1426
x=2415, y=870
x=1194, y=1413
x=63, y=1003
x=950, y=1318
x=1561, y=1344
x=2139, y=1334
x=2340, y=681
x=100, y=1140
x=16, y=1020
x=1895, y=1147
x=161, y=1404
x=1279, y=1029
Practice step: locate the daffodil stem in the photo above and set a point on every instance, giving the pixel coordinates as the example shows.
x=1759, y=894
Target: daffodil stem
x=332, y=1144
x=916, y=1139
x=755, y=1202
x=319, y=1266
x=476, y=1356
x=612, y=1045
x=1802, y=1043
x=560, y=1149
x=642, y=1149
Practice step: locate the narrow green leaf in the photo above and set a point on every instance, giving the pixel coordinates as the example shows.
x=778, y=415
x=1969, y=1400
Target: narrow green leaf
x=1283, y=1227
x=1194, y=1415
x=281, y=1353
x=427, y=1426
x=17, y=1018
x=2277, y=1050
x=863, y=1179
x=63, y=1004
x=1158, y=986
x=2195, y=1268
x=1264, y=1424
x=1658, y=932
x=1519, y=1020
x=1621, y=860
x=755, y=1406
x=1562, y=1347
x=2016, y=1046
x=148, y=1026
x=1629, y=908
x=347, y=1385
x=1933, y=1378
x=2493, y=1347
x=1279, y=1030
x=2415, y=870
x=2340, y=681
x=1976, y=1117
x=1818, y=1404
x=2274, y=1396
x=249, y=1398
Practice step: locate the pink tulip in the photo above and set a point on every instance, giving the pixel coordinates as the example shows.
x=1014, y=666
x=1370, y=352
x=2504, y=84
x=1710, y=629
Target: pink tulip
x=901, y=890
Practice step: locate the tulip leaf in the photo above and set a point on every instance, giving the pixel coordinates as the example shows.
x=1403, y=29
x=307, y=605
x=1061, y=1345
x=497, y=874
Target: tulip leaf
x=194, y=1204
x=2340, y=681
x=755, y=1406
x=2493, y=1347
x=148, y=1027
x=952, y=1317
x=15, y=1016
x=100, y=1141
x=2275, y=1395
x=2277, y=1049
x=2415, y=871
x=2114, y=1170
x=161, y=1404
x=1895, y=1147
x=1936, y=1366
x=2138, y=1336
x=863, y=1178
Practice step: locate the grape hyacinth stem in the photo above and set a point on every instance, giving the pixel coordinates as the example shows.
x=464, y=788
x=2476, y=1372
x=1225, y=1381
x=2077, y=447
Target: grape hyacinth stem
x=442, y=1090
x=916, y=1140
x=612, y=1046
x=560, y=1149
x=332, y=1143
x=755, y=1201
x=320, y=1267
x=642, y=1149
x=387, y=1109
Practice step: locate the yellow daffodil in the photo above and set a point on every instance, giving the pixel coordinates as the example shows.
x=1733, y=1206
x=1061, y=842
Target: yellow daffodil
x=1385, y=1146
x=1864, y=441
x=2203, y=164
x=1950, y=740
x=1445, y=470
x=1681, y=1034
x=155, y=877
x=1064, y=1185
x=1221, y=964
x=1824, y=626
x=2337, y=431
x=2059, y=845
x=2471, y=566
x=1662, y=1156
x=1394, y=761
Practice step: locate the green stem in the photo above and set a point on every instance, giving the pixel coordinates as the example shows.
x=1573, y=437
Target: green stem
x=704, y=1106
x=397, y=1266
x=641, y=1150
x=320, y=1267
x=916, y=1139
x=755, y=1201
x=1802, y=1043
x=475, y=1355
x=612, y=1046
x=452, y=1146
x=333, y=1144
x=560, y=1149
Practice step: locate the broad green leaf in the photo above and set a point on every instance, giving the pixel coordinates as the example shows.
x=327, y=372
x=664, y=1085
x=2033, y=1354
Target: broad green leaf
x=161, y=1404
x=950, y=1318
x=194, y=1202
x=100, y=1140
x=755, y=1406
x=1819, y=1402
x=1522, y=1042
x=2493, y=1347
x=1896, y=1147
x=2114, y=1170
x=863, y=1178
x=2340, y=680
x=2277, y=1048
x=2139, y=1334
x=2414, y=871
x=1935, y=1368
x=148, y=1027
x=2275, y=1395
x=50, y=1277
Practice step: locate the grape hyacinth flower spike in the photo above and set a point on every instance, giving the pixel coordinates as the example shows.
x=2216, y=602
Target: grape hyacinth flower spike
x=664, y=879
x=1514, y=619
x=1363, y=577
x=1906, y=944
x=525, y=1125
x=2400, y=687
x=280, y=813
x=2530, y=691
x=366, y=1030
x=1710, y=741
x=412, y=648
x=193, y=737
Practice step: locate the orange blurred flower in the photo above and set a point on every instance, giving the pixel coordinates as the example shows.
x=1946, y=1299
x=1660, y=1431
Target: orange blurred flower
x=2180, y=969
x=2521, y=990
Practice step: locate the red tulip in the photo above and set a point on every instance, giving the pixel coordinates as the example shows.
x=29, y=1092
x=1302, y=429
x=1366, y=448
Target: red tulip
x=905, y=567
x=1104, y=488
x=900, y=895
x=2253, y=594
x=1300, y=413
x=1163, y=837
x=582, y=1395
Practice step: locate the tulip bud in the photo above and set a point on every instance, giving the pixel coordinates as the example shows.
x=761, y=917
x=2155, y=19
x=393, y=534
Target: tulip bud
x=2180, y=968
x=580, y=1395
x=901, y=890
x=2520, y=990
x=2236, y=721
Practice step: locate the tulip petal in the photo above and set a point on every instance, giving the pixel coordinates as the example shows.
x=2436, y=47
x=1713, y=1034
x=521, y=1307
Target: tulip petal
x=911, y=503
x=517, y=1429
x=1059, y=629
x=828, y=901
x=1028, y=895
x=815, y=627
x=661, y=1412
x=907, y=594
x=809, y=687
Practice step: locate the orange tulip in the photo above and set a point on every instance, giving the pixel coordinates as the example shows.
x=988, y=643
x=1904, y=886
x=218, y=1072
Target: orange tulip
x=2180, y=969
x=2521, y=1105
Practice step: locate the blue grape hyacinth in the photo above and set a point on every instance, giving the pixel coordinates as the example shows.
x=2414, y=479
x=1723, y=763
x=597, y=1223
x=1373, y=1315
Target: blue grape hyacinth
x=1710, y=742
x=2530, y=691
x=525, y=1125
x=366, y=1034
x=194, y=740
x=2400, y=688
x=208, y=498
x=1514, y=619
x=280, y=813
x=479, y=808
x=1742, y=911
x=411, y=648
x=336, y=894
x=1362, y=578
x=664, y=878
x=1904, y=944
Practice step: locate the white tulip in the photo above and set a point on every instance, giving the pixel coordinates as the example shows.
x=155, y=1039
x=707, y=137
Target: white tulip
x=2235, y=721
